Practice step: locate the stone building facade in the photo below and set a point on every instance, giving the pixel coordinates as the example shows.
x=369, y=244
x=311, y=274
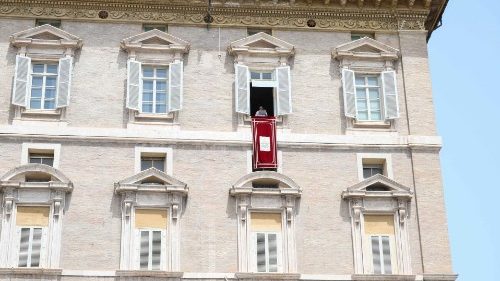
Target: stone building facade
x=127, y=148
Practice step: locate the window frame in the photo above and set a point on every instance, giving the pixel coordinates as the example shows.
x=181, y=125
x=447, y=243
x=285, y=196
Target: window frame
x=368, y=251
x=367, y=88
x=384, y=159
x=155, y=79
x=28, y=148
x=43, y=247
x=166, y=152
x=44, y=75
x=279, y=251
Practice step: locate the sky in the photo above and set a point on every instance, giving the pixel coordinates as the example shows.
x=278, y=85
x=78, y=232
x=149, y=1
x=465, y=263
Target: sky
x=465, y=66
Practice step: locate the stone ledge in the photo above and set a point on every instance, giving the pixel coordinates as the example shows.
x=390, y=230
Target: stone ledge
x=440, y=277
x=30, y=271
x=267, y=276
x=148, y=273
x=382, y=277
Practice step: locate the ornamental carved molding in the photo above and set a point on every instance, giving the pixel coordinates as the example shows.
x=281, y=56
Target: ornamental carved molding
x=296, y=15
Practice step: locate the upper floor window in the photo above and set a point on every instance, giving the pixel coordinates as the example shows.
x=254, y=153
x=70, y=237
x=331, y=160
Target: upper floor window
x=43, y=86
x=154, y=89
x=368, y=102
x=373, y=169
x=157, y=162
x=42, y=158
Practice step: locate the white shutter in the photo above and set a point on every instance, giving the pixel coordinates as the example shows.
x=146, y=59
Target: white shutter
x=21, y=81
x=390, y=95
x=134, y=87
x=284, y=90
x=386, y=255
x=64, y=81
x=175, y=80
x=252, y=252
x=349, y=89
x=242, y=88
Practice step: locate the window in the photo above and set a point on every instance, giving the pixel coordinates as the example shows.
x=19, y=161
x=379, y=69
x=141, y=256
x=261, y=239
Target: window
x=154, y=89
x=368, y=102
x=151, y=225
x=252, y=31
x=262, y=91
x=266, y=236
x=371, y=170
x=43, y=86
x=32, y=223
x=356, y=36
x=160, y=27
x=155, y=162
x=379, y=231
x=42, y=158
x=52, y=22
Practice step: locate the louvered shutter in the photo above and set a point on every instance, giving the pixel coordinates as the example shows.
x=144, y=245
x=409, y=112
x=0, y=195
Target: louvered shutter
x=175, y=86
x=21, y=81
x=64, y=81
x=24, y=244
x=284, y=90
x=390, y=95
x=242, y=89
x=386, y=255
x=349, y=89
x=134, y=87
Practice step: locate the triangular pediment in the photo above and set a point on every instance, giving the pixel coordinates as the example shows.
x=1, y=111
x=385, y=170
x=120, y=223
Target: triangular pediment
x=261, y=42
x=44, y=32
x=378, y=185
x=152, y=176
x=366, y=47
x=155, y=39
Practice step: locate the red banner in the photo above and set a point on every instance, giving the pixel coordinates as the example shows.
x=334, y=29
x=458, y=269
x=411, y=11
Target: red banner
x=264, y=142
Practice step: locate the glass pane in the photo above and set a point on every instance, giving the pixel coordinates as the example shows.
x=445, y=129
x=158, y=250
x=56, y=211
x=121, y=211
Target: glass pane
x=161, y=108
x=38, y=68
x=261, y=252
x=52, y=68
x=49, y=104
x=156, y=251
x=147, y=72
x=374, y=94
x=375, y=115
x=147, y=85
x=36, y=93
x=376, y=255
x=144, y=250
x=362, y=115
x=159, y=164
x=48, y=161
x=361, y=104
x=267, y=76
x=23, y=248
x=161, y=72
x=148, y=108
x=35, y=104
x=387, y=255
x=254, y=75
x=161, y=85
x=36, y=245
x=161, y=98
x=50, y=81
x=50, y=93
x=146, y=164
x=147, y=97
x=360, y=93
x=36, y=81
x=373, y=81
x=375, y=105
x=360, y=80
x=273, y=253
x=367, y=172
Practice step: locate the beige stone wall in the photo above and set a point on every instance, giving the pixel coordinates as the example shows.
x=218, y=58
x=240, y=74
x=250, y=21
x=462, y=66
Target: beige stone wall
x=92, y=220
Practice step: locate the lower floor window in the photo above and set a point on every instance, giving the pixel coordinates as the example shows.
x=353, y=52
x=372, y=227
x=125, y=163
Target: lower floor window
x=150, y=249
x=30, y=245
x=381, y=254
x=267, y=252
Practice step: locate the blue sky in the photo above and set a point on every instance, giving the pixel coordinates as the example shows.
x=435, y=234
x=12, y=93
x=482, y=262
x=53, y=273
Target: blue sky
x=465, y=66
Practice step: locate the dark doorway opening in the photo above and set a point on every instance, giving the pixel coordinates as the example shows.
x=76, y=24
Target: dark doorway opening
x=262, y=96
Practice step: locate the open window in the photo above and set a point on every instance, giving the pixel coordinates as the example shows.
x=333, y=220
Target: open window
x=262, y=76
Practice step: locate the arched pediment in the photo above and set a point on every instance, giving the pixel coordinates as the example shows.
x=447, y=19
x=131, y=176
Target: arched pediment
x=261, y=44
x=46, y=35
x=153, y=180
x=378, y=186
x=18, y=174
x=266, y=182
x=155, y=40
x=365, y=48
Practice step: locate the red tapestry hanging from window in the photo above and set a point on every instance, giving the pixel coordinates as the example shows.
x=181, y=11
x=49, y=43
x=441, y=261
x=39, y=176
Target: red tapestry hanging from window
x=264, y=143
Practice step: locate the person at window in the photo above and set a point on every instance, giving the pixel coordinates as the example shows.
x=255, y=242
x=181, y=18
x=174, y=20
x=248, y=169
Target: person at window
x=261, y=112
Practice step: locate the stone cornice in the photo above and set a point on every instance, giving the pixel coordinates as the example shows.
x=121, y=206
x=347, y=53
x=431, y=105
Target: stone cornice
x=318, y=15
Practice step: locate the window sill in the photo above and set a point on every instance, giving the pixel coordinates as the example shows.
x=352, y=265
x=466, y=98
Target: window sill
x=382, y=277
x=371, y=124
x=160, y=116
x=266, y=276
x=41, y=112
x=30, y=271
x=148, y=273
